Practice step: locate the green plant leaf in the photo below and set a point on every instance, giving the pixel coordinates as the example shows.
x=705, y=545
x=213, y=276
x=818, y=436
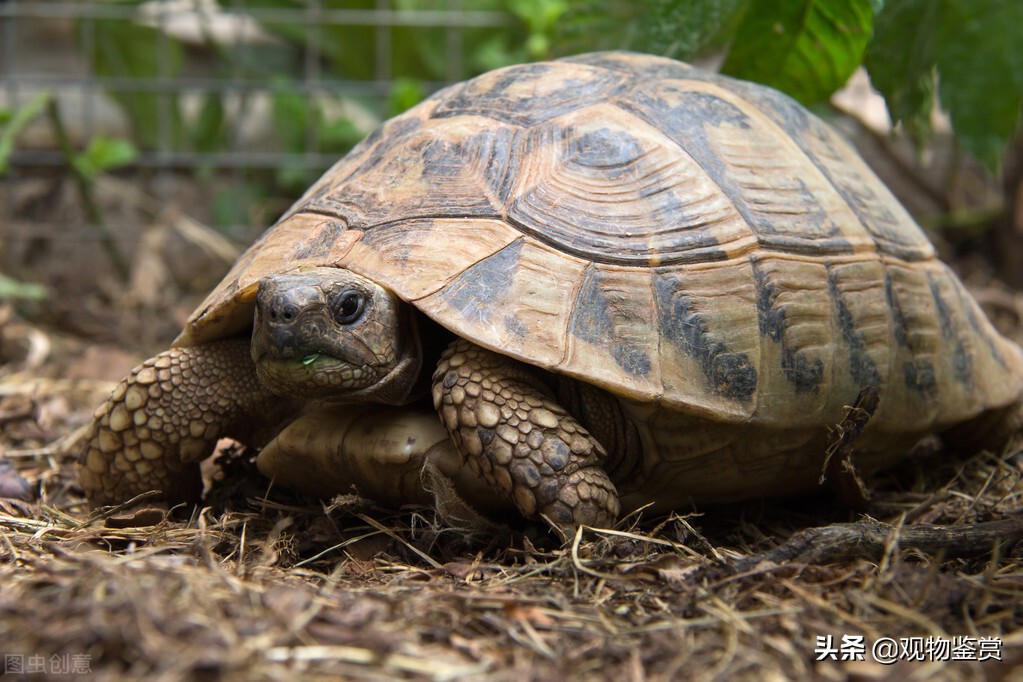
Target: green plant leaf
x=126, y=50
x=683, y=29
x=980, y=65
x=966, y=50
x=103, y=154
x=16, y=123
x=900, y=60
x=806, y=48
x=209, y=132
x=405, y=94
x=12, y=289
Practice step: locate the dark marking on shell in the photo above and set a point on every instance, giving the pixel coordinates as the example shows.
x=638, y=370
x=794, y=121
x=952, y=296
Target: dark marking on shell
x=918, y=374
x=729, y=374
x=861, y=366
x=319, y=246
x=813, y=136
x=514, y=326
x=476, y=293
x=645, y=67
x=962, y=359
x=603, y=196
x=592, y=320
x=686, y=120
x=499, y=161
x=806, y=374
x=501, y=94
x=979, y=330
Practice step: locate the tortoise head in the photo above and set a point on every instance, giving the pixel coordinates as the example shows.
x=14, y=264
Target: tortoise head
x=329, y=333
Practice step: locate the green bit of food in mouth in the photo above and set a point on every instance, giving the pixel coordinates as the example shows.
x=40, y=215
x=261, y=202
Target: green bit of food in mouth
x=310, y=359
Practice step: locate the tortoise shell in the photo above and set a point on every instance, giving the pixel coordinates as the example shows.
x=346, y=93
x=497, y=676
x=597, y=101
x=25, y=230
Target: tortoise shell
x=682, y=239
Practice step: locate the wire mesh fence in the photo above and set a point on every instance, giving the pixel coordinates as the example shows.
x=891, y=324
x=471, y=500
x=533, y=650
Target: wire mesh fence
x=128, y=127
x=223, y=110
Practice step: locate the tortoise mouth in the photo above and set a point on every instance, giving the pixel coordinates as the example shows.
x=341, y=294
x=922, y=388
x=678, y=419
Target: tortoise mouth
x=314, y=375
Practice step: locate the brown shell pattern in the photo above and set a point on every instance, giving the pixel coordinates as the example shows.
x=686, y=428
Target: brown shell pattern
x=675, y=236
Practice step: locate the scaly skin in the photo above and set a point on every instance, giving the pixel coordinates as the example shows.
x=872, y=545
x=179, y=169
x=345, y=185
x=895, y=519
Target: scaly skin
x=166, y=416
x=520, y=441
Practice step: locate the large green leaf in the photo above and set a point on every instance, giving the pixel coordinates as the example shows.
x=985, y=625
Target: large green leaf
x=979, y=51
x=971, y=49
x=677, y=28
x=807, y=48
x=140, y=55
x=900, y=60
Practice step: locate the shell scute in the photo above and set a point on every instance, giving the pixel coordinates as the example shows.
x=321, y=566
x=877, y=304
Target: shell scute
x=689, y=242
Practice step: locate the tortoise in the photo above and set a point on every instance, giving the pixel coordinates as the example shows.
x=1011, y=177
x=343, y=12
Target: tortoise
x=621, y=280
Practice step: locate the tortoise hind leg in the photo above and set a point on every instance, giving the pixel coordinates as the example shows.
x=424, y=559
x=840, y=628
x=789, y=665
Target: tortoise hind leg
x=520, y=441
x=166, y=416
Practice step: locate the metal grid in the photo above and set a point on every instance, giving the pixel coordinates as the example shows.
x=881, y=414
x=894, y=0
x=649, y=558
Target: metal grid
x=28, y=67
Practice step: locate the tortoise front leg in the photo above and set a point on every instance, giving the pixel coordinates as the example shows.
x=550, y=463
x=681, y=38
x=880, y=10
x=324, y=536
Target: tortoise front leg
x=166, y=416
x=516, y=437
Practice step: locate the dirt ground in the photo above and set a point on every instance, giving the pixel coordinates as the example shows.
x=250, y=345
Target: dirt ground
x=263, y=585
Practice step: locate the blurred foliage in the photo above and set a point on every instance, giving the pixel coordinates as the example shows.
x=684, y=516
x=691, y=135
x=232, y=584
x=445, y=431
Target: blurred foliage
x=104, y=154
x=967, y=53
x=964, y=54
x=11, y=289
x=13, y=124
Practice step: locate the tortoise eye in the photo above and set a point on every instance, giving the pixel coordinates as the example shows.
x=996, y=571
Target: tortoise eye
x=349, y=307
